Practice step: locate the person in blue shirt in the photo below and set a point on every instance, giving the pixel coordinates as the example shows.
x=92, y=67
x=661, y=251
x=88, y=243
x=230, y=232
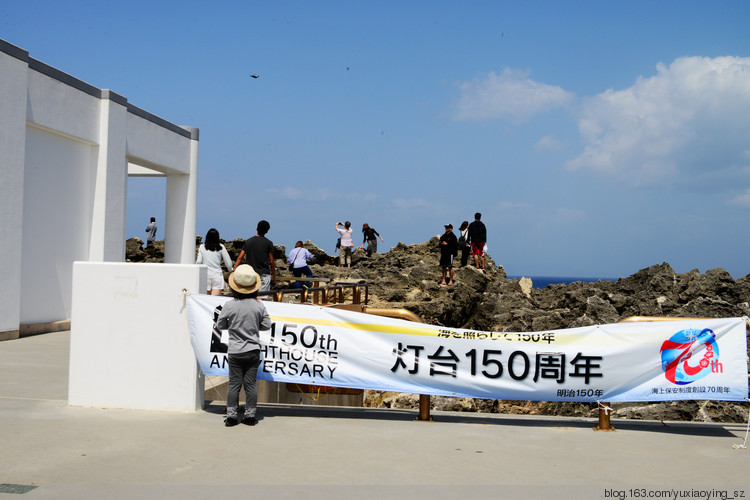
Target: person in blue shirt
x=151, y=232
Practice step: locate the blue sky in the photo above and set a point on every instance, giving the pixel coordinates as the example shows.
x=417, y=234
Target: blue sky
x=596, y=138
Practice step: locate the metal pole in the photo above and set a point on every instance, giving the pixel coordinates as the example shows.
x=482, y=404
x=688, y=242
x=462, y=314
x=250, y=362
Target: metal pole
x=604, y=424
x=424, y=408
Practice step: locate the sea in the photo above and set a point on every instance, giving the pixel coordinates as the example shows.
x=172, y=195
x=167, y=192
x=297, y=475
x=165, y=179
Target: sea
x=543, y=281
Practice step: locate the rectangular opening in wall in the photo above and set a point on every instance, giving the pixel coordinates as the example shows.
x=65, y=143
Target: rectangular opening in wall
x=147, y=195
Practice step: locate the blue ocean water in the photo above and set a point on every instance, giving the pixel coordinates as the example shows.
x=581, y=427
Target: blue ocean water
x=543, y=281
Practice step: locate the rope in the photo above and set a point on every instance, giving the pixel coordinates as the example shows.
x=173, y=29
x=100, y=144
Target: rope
x=184, y=293
x=316, y=398
x=318, y=395
x=606, y=409
x=214, y=388
x=747, y=431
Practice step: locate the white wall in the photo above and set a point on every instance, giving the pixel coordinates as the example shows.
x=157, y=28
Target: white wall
x=54, y=105
x=55, y=233
x=152, y=144
x=130, y=344
x=12, y=151
x=65, y=147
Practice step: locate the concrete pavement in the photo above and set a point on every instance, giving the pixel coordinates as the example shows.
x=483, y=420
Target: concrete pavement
x=51, y=450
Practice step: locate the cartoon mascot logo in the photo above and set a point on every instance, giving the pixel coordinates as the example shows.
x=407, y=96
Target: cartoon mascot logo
x=689, y=355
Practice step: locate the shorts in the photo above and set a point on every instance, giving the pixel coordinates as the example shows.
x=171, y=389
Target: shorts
x=216, y=283
x=446, y=260
x=477, y=248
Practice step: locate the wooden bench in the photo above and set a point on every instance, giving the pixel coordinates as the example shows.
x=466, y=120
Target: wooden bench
x=320, y=287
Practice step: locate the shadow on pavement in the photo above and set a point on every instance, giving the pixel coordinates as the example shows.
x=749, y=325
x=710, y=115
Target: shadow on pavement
x=267, y=410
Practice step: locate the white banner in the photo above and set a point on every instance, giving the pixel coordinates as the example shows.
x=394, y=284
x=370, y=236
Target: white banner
x=651, y=361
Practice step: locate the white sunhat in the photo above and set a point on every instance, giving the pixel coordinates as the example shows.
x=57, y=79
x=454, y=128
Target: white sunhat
x=244, y=279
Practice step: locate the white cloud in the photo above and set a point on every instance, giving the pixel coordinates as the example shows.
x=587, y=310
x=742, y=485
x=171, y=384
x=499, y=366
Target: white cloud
x=412, y=203
x=569, y=215
x=550, y=142
x=290, y=193
x=687, y=125
x=742, y=200
x=510, y=205
x=510, y=95
x=319, y=194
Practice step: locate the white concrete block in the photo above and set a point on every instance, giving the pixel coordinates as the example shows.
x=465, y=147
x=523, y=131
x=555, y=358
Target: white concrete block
x=130, y=345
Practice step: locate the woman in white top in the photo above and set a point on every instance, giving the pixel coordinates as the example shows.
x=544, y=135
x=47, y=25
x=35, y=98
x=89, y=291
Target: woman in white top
x=211, y=253
x=345, y=253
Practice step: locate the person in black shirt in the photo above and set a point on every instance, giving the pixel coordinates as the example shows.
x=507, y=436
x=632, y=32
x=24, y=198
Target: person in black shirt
x=369, y=238
x=258, y=251
x=477, y=238
x=448, y=250
x=463, y=242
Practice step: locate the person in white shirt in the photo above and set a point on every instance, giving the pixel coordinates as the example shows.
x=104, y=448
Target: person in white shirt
x=211, y=253
x=347, y=245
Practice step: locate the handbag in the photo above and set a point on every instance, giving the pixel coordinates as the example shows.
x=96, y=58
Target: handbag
x=291, y=264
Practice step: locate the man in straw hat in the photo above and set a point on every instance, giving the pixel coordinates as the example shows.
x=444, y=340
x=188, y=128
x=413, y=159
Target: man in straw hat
x=244, y=317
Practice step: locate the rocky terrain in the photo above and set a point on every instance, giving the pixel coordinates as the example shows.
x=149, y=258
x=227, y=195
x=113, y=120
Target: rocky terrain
x=408, y=277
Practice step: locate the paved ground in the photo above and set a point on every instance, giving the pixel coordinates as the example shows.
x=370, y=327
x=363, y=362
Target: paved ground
x=325, y=452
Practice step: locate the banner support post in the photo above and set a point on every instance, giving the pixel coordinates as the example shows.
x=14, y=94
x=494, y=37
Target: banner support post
x=424, y=408
x=604, y=422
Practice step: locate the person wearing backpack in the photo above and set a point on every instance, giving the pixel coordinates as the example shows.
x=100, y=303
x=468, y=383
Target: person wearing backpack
x=463, y=242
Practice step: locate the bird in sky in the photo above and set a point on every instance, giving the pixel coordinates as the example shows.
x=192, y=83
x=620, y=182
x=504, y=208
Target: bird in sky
x=254, y=76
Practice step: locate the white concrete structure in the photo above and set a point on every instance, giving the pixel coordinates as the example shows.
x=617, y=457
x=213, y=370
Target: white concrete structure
x=130, y=344
x=66, y=150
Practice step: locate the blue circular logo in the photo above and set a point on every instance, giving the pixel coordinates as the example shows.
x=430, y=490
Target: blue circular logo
x=688, y=354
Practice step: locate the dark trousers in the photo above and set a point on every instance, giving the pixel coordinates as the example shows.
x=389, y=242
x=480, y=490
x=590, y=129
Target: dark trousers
x=465, y=251
x=243, y=368
x=301, y=271
x=372, y=247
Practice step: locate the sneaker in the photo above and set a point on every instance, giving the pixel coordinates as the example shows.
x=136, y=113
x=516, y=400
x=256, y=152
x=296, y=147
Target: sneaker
x=250, y=421
x=230, y=422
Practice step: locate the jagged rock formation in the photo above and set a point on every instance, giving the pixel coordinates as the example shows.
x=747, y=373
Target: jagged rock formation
x=408, y=277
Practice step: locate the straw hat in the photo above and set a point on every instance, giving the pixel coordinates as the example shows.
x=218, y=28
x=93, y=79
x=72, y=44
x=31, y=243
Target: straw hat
x=244, y=279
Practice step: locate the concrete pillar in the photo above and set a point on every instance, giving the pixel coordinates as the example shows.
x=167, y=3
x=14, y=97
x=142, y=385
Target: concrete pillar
x=110, y=187
x=13, y=97
x=182, y=195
